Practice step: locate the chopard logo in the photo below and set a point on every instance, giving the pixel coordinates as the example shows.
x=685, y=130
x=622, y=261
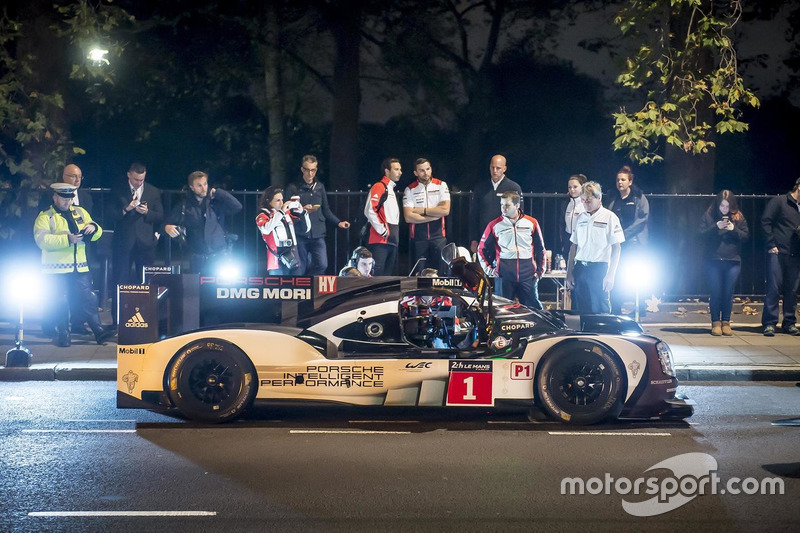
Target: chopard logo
x=136, y=321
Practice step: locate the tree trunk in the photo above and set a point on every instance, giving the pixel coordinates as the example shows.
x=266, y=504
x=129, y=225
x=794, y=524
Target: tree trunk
x=272, y=81
x=343, y=163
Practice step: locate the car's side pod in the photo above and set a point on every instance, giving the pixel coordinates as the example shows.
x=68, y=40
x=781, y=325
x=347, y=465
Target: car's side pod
x=609, y=324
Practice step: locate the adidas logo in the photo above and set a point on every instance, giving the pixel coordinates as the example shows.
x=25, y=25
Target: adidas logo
x=136, y=321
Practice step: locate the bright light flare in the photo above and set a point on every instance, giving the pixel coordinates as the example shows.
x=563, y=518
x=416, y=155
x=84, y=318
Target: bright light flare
x=24, y=285
x=229, y=271
x=640, y=272
x=98, y=55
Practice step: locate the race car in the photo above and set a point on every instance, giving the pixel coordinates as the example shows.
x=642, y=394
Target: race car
x=411, y=342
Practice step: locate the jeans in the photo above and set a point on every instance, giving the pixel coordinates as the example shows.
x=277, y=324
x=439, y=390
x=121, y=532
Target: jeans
x=722, y=276
x=588, y=293
x=313, y=256
x=527, y=292
x=783, y=276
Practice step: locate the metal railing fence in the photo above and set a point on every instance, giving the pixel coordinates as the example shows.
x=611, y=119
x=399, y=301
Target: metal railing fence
x=674, y=241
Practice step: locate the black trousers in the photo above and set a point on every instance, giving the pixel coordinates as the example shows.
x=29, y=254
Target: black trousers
x=783, y=277
x=385, y=256
x=431, y=250
x=72, y=292
x=588, y=293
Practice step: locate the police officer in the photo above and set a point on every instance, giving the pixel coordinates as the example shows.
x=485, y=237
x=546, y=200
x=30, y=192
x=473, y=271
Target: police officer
x=59, y=232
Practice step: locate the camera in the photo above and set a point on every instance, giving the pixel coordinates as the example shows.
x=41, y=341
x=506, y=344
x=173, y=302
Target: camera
x=285, y=244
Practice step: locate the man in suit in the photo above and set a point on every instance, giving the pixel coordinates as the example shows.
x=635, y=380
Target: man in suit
x=138, y=212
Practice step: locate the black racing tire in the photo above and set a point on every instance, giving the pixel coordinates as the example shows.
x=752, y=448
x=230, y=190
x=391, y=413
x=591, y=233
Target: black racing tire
x=211, y=380
x=581, y=383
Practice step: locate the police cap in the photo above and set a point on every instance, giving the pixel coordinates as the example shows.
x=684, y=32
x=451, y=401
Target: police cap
x=65, y=190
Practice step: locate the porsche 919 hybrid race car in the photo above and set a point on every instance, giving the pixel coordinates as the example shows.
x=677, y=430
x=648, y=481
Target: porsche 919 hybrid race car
x=414, y=342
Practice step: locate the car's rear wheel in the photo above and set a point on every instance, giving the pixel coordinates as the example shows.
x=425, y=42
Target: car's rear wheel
x=581, y=383
x=212, y=380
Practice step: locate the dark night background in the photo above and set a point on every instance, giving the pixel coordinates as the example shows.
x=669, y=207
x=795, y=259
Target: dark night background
x=184, y=90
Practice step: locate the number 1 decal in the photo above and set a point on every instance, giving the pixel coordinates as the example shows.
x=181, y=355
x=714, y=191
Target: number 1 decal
x=470, y=383
x=469, y=395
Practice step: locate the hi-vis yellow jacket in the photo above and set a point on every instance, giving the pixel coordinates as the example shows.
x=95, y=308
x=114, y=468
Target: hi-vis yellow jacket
x=51, y=233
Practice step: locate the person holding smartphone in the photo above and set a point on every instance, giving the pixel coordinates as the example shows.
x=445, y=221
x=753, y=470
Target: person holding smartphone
x=724, y=229
x=311, y=193
x=61, y=232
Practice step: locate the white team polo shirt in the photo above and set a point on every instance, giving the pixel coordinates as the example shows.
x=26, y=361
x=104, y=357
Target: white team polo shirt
x=595, y=234
x=430, y=195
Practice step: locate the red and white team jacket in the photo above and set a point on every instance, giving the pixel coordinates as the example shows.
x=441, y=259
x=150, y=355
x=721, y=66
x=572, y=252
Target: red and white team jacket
x=419, y=195
x=515, y=248
x=277, y=230
x=382, y=212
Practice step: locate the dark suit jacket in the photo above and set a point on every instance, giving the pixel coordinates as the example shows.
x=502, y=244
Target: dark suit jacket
x=86, y=202
x=133, y=227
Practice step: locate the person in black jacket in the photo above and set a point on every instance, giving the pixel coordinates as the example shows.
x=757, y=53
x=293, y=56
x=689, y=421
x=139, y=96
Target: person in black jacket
x=484, y=205
x=781, y=224
x=311, y=248
x=724, y=229
x=137, y=213
x=633, y=210
x=200, y=217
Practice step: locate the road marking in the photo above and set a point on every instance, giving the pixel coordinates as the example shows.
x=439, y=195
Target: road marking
x=609, y=433
x=384, y=421
x=121, y=513
x=346, y=431
x=95, y=421
x=79, y=431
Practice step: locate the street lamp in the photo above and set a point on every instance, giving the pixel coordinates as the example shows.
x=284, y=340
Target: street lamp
x=98, y=56
x=22, y=286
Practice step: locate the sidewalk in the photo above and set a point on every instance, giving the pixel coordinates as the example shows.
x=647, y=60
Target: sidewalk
x=747, y=356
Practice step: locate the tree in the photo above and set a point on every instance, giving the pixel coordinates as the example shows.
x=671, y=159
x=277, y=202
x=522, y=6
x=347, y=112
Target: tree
x=684, y=66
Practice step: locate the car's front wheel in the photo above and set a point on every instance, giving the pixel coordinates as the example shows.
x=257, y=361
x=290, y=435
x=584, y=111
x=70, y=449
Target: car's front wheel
x=211, y=380
x=581, y=383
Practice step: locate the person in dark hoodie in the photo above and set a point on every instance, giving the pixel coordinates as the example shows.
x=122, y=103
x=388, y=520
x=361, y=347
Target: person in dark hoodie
x=200, y=219
x=633, y=210
x=781, y=225
x=724, y=229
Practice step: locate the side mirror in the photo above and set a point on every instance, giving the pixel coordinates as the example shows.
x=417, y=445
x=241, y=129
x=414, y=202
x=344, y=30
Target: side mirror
x=449, y=253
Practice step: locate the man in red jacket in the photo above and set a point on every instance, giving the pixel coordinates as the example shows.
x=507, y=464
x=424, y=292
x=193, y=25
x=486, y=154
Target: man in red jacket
x=513, y=245
x=383, y=215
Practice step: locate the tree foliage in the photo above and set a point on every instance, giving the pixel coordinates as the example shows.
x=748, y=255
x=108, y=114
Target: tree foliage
x=684, y=67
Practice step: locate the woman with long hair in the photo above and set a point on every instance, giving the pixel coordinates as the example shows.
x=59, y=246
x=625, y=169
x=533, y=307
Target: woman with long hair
x=724, y=229
x=276, y=221
x=573, y=208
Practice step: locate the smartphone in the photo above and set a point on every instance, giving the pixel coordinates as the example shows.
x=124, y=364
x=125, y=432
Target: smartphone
x=725, y=218
x=143, y=203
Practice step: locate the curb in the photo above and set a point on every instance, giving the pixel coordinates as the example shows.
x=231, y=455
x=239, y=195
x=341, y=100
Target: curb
x=737, y=373
x=61, y=372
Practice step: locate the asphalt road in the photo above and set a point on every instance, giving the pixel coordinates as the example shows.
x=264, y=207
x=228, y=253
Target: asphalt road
x=70, y=461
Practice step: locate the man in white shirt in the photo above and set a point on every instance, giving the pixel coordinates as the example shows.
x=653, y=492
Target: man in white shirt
x=426, y=202
x=594, y=253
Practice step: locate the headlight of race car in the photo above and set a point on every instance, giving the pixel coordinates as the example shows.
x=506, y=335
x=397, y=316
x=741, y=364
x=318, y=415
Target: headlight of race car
x=665, y=356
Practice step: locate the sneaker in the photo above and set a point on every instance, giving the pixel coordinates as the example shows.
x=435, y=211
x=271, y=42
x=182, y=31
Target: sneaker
x=792, y=330
x=769, y=331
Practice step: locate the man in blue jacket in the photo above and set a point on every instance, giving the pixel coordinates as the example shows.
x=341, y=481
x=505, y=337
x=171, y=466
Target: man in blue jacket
x=781, y=225
x=311, y=248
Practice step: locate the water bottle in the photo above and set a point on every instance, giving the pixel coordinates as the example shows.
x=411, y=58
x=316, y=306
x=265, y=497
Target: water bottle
x=559, y=263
